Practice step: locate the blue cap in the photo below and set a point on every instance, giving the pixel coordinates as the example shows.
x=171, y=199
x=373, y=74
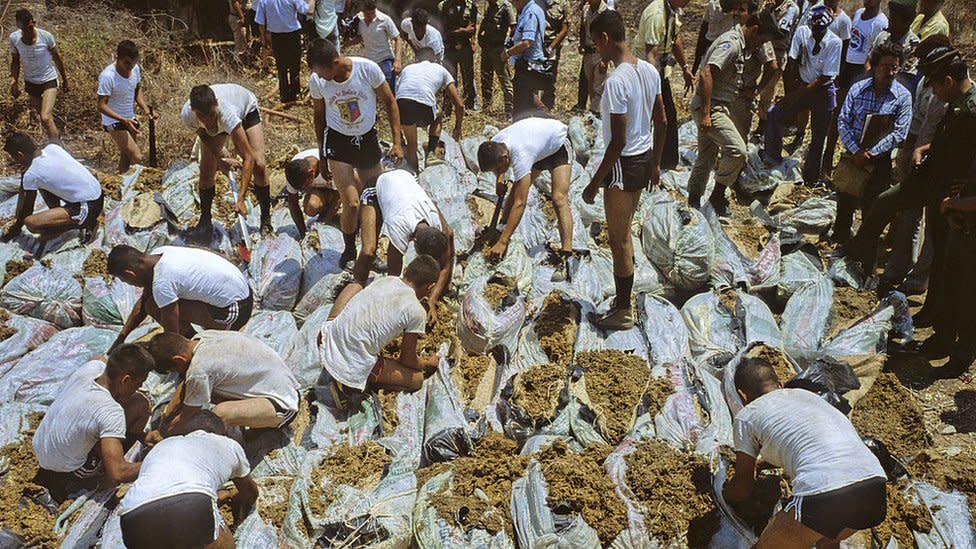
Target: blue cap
x=820, y=17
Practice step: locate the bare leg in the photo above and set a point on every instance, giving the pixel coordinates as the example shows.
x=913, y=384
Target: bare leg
x=620, y=206
x=349, y=191
x=255, y=136
x=45, y=109
x=784, y=532
x=258, y=413
x=560, y=200
x=410, y=135
x=129, y=152
x=225, y=540
x=50, y=223
x=397, y=377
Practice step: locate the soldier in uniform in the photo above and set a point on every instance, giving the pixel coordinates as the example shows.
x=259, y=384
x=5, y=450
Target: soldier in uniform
x=557, y=27
x=460, y=18
x=495, y=26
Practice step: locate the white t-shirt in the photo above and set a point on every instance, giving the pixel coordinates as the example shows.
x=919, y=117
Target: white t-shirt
x=230, y=365
x=377, y=35
x=404, y=204
x=863, y=34
x=198, y=275
x=812, y=441
x=374, y=317
x=234, y=102
x=432, y=38
x=422, y=81
x=57, y=172
x=35, y=59
x=631, y=91
x=350, y=106
x=83, y=413
x=827, y=60
x=530, y=140
x=840, y=26
x=318, y=182
x=197, y=463
x=121, y=92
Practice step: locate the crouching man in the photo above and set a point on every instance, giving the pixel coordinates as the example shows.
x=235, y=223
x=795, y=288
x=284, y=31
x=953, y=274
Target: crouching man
x=174, y=501
x=364, y=321
x=838, y=484
x=245, y=381
x=83, y=435
x=304, y=177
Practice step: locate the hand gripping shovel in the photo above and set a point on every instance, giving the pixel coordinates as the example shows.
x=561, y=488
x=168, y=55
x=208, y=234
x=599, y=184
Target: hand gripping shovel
x=242, y=249
x=490, y=232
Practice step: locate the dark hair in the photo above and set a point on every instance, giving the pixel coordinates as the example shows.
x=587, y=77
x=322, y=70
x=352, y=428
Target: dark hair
x=430, y=241
x=423, y=270
x=203, y=420
x=296, y=172
x=23, y=16
x=902, y=11
x=421, y=17
x=957, y=69
x=611, y=23
x=127, y=49
x=130, y=358
x=203, y=99
x=753, y=375
x=490, y=154
x=887, y=49
x=121, y=258
x=20, y=143
x=932, y=42
x=321, y=53
x=425, y=54
x=163, y=347
x=369, y=5
x=729, y=5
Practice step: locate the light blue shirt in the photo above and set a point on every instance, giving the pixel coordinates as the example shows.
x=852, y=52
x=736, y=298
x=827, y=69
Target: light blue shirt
x=325, y=17
x=531, y=26
x=280, y=16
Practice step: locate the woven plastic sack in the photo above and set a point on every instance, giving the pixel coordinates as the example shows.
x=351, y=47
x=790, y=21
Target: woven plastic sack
x=678, y=241
x=276, y=273
x=48, y=294
x=277, y=329
x=30, y=334
x=482, y=327
x=107, y=303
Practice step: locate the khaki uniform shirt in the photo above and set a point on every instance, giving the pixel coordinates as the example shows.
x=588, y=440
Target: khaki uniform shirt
x=659, y=27
x=727, y=56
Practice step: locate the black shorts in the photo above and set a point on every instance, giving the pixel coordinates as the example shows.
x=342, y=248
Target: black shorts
x=37, y=90
x=183, y=520
x=118, y=126
x=235, y=315
x=553, y=161
x=85, y=213
x=361, y=152
x=860, y=506
x=631, y=173
x=368, y=198
x=251, y=119
x=414, y=113
x=285, y=415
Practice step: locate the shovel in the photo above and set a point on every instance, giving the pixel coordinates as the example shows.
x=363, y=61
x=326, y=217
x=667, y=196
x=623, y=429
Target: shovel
x=153, y=163
x=242, y=249
x=491, y=231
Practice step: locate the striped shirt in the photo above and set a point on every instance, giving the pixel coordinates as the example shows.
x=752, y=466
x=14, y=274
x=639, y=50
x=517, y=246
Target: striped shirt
x=862, y=101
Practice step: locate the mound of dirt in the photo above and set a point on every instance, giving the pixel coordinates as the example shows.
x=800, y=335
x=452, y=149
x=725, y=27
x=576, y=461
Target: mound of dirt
x=659, y=390
x=747, y=235
x=6, y=331
x=488, y=472
x=151, y=180
x=444, y=330
x=536, y=390
x=496, y=290
x=775, y=357
x=948, y=473
x=729, y=300
x=891, y=414
x=850, y=305
x=556, y=326
x=902, y=518
x=312, y=240
x=273, y=500
x=360, y=466
x=96, y=264
x=469, y=377
x=15, y=267
x=388, y=406
x=111, y=184
x=675, y=490
x=18, y=512
x=223, y=205
x=615, y=385
x=579, y=482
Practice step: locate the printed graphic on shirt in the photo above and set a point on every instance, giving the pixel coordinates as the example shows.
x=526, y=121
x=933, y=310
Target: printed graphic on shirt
x=349, y=109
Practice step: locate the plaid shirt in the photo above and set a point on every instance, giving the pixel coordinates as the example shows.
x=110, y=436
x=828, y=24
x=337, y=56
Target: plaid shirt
x=862, y=101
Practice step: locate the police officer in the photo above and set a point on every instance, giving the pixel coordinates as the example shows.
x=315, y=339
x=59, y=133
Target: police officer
x=459, y=20
x=557, y=27
x=495, y=26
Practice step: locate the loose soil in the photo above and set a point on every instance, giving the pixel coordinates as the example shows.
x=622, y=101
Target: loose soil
x=579, y=482
x=470, y=372
x=902, y=518
x=360, y=466
x=659, y=390
x=312, y=240
x=6, y=331
x=150, y=179
x=728, y=298
x=301, y=422
x=556, y=326
x=948, y=473
x=96, y=264
x=18, y=512
x=223, y=205
x=850, y=305
x=497, y=289
x=444, y=330
x=487, y=473
x=388, y=407
x=273, y=501
x=748, y=236
x=15, y=267
x=891, y=414
x=776, y=358
x=537, y=389
x=615, y=385
x=675, y=491
x=111, y=184
x=548, y=210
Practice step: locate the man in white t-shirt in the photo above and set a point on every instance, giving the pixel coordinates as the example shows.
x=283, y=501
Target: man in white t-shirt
x=119, y=91
x=420, y=34
x=237, y=376
x=84, y=433
x=376, y=31
x=71, y=192
x=34, y=51
x=517, y=154
x=215, y=112
x=174, y=501
x=345, y=91
x=837, y=483
x=420, y=84
x=363, y=321
x=183, y=286
x=630, y=105
x=304, y=177
x=397, y=206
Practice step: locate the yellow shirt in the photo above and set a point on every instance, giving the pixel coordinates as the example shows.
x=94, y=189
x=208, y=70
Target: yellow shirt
x=937, y=24
x=659, y=26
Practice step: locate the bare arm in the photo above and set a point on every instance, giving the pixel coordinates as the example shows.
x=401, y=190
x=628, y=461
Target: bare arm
x=141, y=100
x=517, y=49
x=660, y=134
x=136, y=317
x=178, y=422
x=558, y=39
x=117, y=469
x=393, y=113
x=297, y=215
x=243, y=146
x=14, y=70
x=25, y=207
x=678, y=50
x=59, y=64
x=318, y=119
x=447, y=269
x=705, y=82
x=740, y=487
x=520, y=195
x=458, y=110
x=108, y=111
x=409, y=358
